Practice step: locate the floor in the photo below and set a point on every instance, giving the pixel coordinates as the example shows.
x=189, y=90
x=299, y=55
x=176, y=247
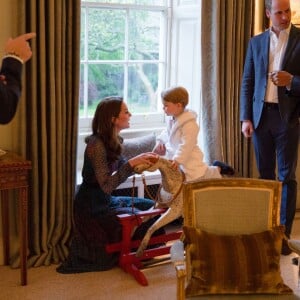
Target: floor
x=45, y=283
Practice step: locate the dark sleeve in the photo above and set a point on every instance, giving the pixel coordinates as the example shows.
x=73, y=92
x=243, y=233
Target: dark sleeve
x=107, y=181
x=295, y=87
x=247, y=88
x=10, y=89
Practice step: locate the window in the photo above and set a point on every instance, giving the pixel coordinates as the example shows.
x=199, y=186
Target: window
x=124, y=52
x=136, y=48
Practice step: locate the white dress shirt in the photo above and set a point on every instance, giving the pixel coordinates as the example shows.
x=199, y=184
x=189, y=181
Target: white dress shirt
x=276, y=54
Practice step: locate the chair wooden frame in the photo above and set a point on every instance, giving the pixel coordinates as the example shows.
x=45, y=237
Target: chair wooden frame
x=272, y=190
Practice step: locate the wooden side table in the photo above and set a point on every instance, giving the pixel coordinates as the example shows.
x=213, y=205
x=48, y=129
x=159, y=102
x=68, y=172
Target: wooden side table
x=14, y=171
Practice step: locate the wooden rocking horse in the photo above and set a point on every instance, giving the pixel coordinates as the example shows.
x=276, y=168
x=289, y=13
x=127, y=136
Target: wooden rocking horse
x=169, y=205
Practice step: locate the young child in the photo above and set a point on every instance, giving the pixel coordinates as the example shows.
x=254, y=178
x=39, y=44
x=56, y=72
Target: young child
x=179, y=141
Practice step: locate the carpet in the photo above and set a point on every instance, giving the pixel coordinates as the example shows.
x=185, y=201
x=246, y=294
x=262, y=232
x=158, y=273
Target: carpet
x=45, y=283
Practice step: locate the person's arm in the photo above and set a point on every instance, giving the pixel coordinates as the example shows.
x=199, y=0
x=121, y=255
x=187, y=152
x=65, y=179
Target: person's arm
x=247, y=91
x=107, y=181
x=17, y=52
x=163, y=137
x=247, y=88
x=293, y=89
x=10, y=88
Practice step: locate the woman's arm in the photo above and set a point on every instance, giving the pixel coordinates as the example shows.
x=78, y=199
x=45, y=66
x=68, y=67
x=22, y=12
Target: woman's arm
x=107, y=180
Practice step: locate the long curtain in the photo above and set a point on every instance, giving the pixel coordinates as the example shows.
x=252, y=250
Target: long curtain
x=48, y=123
x=226, y=27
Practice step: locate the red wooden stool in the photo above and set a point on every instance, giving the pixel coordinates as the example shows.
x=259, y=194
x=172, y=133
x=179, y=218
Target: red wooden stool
x=127, y=260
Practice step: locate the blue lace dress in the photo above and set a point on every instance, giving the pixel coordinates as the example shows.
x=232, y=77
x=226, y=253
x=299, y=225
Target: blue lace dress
x=95, y=212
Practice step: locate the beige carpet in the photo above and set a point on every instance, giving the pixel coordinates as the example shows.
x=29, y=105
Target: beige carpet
x=45, y=283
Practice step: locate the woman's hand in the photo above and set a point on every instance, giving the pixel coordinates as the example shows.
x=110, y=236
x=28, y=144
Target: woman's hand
x=148, y=158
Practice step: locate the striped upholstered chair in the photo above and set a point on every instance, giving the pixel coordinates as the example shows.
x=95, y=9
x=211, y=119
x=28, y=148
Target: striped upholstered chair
x=232, y=239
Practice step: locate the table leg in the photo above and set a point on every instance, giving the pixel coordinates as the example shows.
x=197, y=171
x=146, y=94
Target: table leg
x=5, y=225
x=23, y=207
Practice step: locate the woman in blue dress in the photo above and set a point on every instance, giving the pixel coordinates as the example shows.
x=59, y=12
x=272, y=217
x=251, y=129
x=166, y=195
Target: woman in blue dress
x=95, y=208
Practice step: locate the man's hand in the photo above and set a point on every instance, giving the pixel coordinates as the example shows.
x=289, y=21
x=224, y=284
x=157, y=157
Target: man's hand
x=3, y=79
x=19, y=46
x=247, y=128
x=281, y=78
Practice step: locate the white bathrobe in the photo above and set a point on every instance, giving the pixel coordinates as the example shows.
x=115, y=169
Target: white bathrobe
x=181, y=141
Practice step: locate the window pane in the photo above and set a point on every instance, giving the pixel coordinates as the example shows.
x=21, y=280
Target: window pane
x=142, y=88
x=122, y=53
x=103, y=80
x=144, y=35
x=106, y=34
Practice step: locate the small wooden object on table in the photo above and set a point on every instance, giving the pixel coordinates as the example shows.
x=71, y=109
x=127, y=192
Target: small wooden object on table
x=14, y=173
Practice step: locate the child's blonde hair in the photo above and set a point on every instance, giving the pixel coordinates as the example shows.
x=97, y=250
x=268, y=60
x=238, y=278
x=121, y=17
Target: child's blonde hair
x=177, y=94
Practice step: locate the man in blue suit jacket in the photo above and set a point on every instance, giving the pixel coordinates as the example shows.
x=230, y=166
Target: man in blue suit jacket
x=270, y=104
x=17, y=52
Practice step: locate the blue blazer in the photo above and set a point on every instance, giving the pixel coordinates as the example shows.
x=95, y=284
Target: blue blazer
x=10, y=90
x=255, y=77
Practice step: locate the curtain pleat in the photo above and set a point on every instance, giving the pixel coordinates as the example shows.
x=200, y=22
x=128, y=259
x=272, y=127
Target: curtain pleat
x=223, y=46
x=49, y=124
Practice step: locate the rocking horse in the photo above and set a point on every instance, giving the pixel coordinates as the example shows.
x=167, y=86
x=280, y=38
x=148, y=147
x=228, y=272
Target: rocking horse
x=169, y=196
x=169, y=207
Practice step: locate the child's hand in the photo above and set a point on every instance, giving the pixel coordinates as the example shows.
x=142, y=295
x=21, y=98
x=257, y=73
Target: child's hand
x=175, y=165
x=159, y=149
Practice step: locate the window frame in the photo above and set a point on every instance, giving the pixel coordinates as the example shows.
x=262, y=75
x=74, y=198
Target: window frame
x=153, y=121
x=183, y=59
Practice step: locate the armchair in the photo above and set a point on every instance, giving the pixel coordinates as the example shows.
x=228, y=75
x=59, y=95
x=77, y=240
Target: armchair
x=232, y=238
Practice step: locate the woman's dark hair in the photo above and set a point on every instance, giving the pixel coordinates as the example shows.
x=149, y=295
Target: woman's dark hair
x=103, y=127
